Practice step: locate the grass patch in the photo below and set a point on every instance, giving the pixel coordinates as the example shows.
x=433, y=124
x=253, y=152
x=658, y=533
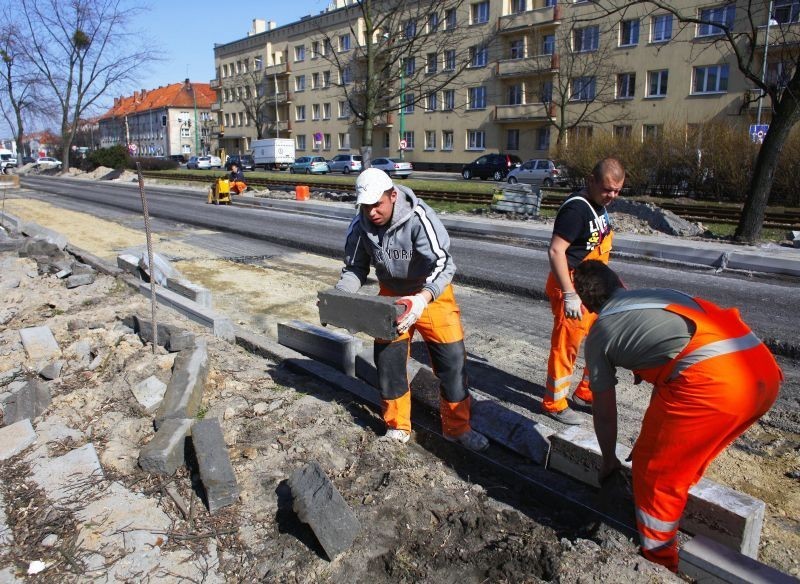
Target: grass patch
x=725, y=231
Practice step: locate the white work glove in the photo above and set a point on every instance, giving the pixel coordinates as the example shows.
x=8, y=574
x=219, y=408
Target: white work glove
x=415, y=305
x=572, y=305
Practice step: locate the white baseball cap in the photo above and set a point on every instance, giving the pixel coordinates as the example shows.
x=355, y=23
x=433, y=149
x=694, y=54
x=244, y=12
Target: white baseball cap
x=370, y=186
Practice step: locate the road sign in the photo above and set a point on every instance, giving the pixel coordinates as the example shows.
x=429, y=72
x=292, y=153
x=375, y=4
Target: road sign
x=757, y=132
x=403, y=144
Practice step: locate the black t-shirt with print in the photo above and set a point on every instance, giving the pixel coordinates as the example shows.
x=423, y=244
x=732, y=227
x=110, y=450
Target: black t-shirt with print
x=577, y=224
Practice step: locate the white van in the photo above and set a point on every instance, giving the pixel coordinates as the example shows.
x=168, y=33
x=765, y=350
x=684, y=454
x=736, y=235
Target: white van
x=273, y=153
x=7, y=159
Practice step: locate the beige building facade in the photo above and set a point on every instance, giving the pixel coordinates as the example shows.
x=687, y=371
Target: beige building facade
x=545, y=73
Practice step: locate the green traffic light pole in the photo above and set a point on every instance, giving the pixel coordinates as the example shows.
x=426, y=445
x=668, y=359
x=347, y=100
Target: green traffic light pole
x=402, y=108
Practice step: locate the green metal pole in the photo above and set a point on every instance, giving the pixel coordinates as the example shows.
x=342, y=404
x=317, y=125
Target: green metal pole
x=402, y=107
x=196, y=128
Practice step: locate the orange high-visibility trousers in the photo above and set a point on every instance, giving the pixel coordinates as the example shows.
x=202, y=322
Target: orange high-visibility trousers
x=566, y=339
x=703, y=400
x=441, y=329
x=238, y=187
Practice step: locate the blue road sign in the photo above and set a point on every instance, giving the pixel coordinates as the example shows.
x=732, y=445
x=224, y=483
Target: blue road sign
x=757, y=132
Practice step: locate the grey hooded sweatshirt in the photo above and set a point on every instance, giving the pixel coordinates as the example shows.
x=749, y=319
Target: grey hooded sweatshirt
x=410, y=254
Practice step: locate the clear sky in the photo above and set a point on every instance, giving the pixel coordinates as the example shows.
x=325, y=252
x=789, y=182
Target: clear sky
x=185, y=34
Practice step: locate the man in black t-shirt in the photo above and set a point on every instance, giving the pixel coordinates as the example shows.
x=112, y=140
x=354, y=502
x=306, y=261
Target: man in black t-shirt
x=582, y=231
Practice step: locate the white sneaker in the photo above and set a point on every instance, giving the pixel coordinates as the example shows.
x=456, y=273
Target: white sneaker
x=396, y=435
x=471, y=439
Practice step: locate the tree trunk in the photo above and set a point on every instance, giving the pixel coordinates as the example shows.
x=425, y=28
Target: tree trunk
x=752, y=219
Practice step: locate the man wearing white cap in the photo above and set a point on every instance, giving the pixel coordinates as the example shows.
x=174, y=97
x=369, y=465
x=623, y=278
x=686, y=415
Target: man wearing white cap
x=409, y=247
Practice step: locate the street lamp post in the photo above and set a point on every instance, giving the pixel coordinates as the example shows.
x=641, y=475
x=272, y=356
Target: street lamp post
x=402, y=109
x=764, y=65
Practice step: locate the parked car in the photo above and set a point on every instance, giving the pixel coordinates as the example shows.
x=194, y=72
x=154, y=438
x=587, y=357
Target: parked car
x=28, y=160
x=245, y=162
x=393, y=167
x=538, y=172
x=179, y=158
x=493, y=166
x=48, y=162
x=204, y=162
x=310, y=165
x=345, y=163
x=216, y=162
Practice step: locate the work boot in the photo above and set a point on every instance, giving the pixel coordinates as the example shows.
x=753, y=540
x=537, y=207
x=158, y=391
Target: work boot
x=395, y=435
x=579, y=401
x=566, y=416
x=470, y=439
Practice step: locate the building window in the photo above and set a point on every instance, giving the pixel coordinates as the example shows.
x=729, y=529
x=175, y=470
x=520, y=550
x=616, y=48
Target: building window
x=346, y=76
x=344, y=109
x=431, y=102
x=300, y=83
x=315, y=80
x=300, y=141
x=315, y=49
x=546, y=92
x=430, y=139
x=583, y=88
x=431, y=63
x=622, y=132
x=408, y=103
x=479, y=12
x=344, y=43
x=650, y=131
x=409, y=138
x=586, y=39
x=626, y=85
x=512, y=139
x=515, y=94
x=258, y=62
x=300, y=113
x=714, y=18
x=447, y=140
x=518, y=49
x=543, y=138
x=185, y=132
x=477, y=98
x=409, y=66
x=300, y=53
x=548, y=44
x=433, y=22
x=410, y=29
x=476, y=140
x=580, y=134
x=478, y=56
x=778, y=74
x=326, y=111
x=661, y=28
x=450, y=60
x=449, y=99
x=326, y=141
x=386, y=140
x=629, y=33
x=786, y=11
x=315, y=111
x=326, y=79
x=344, y=141
x=711, y=79
x=518, y=6
x=450, y=20
x=657, y=83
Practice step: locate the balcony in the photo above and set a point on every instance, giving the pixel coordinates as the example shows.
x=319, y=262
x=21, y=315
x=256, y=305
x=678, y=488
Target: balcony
x=216, y=107
x=384, y=121
x=279, y=126
x=215, y=84
x=278, y=70
x=532, y=112
x=513, y=23
x=279, y=98
x=528, y=66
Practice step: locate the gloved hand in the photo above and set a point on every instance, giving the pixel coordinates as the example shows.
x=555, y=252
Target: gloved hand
x=414, y=306
x=572, y=305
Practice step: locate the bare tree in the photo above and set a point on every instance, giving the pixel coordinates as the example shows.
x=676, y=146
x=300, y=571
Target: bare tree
x=738, y=32
x=255, y=100
x=403, y=52
x=82, y=50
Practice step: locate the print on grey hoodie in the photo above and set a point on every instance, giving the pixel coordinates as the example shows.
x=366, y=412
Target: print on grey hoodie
x=410, y=254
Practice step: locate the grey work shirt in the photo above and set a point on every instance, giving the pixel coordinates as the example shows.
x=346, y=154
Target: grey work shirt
x=636, y=339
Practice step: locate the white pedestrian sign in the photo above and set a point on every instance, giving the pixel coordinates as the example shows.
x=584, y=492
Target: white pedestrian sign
x=757, y=132
x=403, y=144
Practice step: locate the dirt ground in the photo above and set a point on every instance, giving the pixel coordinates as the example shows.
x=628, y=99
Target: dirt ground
x=424, y=516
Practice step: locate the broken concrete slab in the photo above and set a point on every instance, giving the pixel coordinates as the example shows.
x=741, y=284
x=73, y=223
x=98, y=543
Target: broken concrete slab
x=163, y=268
x=166, y=451
x=318, y=503
x=80, y=280
x=373, y=315
x=184, y=392
x=130, y=264
x=15, y=438
x=723, y=514
x=42, y=247
x=335, y=348
x=180, y=340
x=149, y=393
x=37, y=232
x=23, y=400
x=63, y=273
x=708, y=561
x=39, y=343
x=190, y=290
x=171, y=337
x=67, y=479
x=214, y=464
x=79, y=268
x=51, y=370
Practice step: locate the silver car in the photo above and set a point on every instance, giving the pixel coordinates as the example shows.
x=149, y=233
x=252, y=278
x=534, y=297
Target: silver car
x=345, y=163
x=393, y=167
x=537, y=172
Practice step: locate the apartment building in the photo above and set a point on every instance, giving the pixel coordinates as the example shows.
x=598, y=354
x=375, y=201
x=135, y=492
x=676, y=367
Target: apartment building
x=536, y=73
x=175, y=119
